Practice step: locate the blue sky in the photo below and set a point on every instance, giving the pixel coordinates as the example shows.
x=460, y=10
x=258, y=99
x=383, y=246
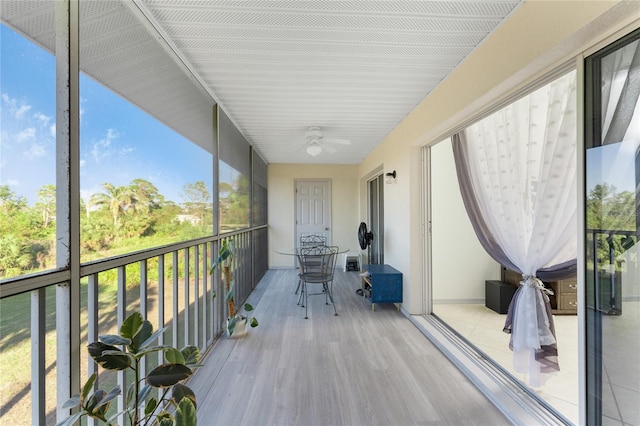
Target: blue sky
x=614, y=164
x=118, y=142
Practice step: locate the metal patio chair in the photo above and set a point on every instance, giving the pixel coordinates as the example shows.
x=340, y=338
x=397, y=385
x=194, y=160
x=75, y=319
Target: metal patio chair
x=317, y=266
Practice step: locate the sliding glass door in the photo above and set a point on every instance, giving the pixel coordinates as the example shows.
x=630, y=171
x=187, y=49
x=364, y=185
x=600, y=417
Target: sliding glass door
x=612, y=228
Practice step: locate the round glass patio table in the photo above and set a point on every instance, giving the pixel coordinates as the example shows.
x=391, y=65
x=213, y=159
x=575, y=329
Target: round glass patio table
x=296, y=250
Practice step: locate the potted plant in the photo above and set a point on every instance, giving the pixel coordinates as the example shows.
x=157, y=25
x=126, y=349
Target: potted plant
x=177, y=404
x=236, y=321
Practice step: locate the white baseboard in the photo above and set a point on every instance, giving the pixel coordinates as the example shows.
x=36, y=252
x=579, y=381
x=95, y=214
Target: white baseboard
x=470, y=301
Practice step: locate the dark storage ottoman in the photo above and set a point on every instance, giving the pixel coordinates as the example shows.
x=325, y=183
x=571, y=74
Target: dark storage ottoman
x=497, y=295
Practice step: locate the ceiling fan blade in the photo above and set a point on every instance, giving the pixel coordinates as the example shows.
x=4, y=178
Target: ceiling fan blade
x=337, y=141
x=329, y=149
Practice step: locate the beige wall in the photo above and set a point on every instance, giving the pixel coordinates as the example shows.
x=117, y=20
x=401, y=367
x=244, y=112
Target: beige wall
x=537, y=37
x=344, y=206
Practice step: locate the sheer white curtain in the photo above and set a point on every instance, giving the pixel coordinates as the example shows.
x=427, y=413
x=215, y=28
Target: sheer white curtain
x=522, y=168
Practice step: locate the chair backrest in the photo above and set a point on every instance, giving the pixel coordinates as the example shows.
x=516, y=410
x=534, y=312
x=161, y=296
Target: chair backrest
x=318, y=260
x=313, y=240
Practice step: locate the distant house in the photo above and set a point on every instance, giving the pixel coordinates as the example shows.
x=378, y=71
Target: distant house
x=192, y=219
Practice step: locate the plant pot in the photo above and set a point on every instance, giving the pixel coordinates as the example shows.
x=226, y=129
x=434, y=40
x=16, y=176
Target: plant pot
x=240, y=328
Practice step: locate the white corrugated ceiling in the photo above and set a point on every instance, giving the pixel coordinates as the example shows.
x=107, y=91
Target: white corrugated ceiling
x=353, y=68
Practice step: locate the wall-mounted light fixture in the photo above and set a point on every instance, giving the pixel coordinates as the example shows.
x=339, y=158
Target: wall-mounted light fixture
x=391, y=177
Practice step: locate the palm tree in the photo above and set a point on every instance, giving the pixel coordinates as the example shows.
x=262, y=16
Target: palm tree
x=118, y=199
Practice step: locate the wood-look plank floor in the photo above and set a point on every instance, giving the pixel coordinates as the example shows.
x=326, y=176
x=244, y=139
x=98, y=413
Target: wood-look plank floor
x=357, y=368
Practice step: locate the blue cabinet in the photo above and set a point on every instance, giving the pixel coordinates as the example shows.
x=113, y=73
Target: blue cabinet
x=383, y=283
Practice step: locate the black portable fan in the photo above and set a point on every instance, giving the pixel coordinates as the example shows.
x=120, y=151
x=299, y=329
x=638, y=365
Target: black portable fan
x=364, y=238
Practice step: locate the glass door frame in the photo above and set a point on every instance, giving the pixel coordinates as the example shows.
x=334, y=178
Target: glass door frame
x=592, y=320
x=375, y=195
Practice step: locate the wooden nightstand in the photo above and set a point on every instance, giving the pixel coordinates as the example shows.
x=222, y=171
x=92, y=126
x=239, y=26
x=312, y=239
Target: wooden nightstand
x=564, y=300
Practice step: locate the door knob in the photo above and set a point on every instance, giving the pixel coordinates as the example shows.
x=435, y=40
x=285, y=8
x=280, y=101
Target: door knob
x=326, y=228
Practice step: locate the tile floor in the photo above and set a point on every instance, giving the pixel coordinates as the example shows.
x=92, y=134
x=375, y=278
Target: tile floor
x=621, y=357
x=621, y=366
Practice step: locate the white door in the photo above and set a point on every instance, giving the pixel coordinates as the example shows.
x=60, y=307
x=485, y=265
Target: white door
x=313, y=208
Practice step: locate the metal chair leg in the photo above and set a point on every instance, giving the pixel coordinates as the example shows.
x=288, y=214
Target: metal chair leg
x=329, y=292
x=301, y=295
x=306, y=300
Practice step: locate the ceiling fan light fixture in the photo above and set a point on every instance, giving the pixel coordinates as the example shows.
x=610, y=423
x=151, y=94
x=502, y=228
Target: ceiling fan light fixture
x=314, y=149
x=314, y=133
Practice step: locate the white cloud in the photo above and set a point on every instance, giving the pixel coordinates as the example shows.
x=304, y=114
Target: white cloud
x=17, y=110
x=42, y=118
x=35, y=151
x=52, y=130
x=102, y=148
x=27, y=134
x=11, y=182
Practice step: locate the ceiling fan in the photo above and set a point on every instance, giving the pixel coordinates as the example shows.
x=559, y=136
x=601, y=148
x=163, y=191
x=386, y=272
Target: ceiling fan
x=316, y=142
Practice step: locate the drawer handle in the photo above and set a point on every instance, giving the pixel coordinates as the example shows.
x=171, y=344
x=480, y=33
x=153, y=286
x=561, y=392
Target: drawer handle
x=573, y=304
x=573, y=286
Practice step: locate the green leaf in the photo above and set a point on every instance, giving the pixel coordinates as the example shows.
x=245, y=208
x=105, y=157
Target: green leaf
x=131, y=325
x=99, y=403
x=229, y=295
x=114, y=339
x=248, y=307
x=94, y=399
x=224, y=256
x=88, y=386
x=166, y=422
x=131, y=392
x=72, y=402
x=144, y=332
x=167, y=375
x=153, y=338
x=186, y=413
x=164, y=419
x=151, y=350
x=191, y=355
x=181, y=391
x=213, y=295
x=150, y=407
x=101, y=410
x=174, y=356
x=113, y=359
x=253, y=323
x=144, y=392
x=110, y=396
x=70, y=421
x=225, y=252
x=231, y=325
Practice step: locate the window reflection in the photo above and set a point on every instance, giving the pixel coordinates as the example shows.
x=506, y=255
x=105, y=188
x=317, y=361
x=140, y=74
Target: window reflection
x=259, y=205
x=234, y=191
x=612, y=249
